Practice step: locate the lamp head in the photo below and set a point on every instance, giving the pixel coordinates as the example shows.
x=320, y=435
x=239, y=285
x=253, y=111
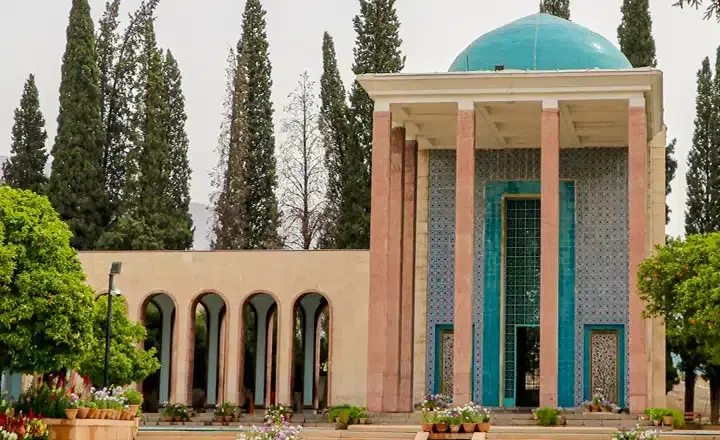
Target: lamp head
x=115, y=267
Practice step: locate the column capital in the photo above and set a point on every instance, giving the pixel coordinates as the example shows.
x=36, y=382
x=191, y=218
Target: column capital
x=637, y=101
x=550, y=104
x=466, y=104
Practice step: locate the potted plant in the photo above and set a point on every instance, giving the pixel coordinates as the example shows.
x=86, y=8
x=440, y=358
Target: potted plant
x=442, y=421
x=134, y=399
x=228, y=411
x=219, y=413
x=468, y=418
x=428, y=420
x=92, y=410
x=169, y=411
x=597, y=401
x=655, y=415
x=237, y=411
x=343, y=419
x=483, y=423
x=182, y=414
x=277, y=414
x=667, y=418
x=83, y=409
x=73, y=407
x=547, y=416
x=636, y=433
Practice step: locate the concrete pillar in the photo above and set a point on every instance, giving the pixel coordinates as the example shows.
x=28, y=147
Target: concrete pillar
x=166, y=306
x=638, y=246
x=464, y=253
x=269, y=358
x=310, y=305
x=262, y=304
x=391, y=376
x=379, y=226
x=549, y=251
x=181, y=368
x=407, y=321
x=213, y=304
x=235, y=364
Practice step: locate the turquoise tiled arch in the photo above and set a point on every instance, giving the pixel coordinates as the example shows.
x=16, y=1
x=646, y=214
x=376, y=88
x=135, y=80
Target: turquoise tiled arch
x=494, y=192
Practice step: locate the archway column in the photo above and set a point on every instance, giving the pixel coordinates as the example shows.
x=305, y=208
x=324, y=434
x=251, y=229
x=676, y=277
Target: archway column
x=214, y=304
x=262, y=304
x=310, y=305
x=181, y=357
x=234, y=379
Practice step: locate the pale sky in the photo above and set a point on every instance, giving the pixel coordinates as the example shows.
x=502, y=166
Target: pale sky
x=32, y=40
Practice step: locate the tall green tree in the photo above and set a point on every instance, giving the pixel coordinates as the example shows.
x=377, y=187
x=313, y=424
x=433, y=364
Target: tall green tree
x=250, y=179
x=712, y=9
x=635, y=33
x=45, y=305
x=118, y=66
x=129, y=360
x=178, y=162
x=377, y=50
x=703, y=198
x=28, y=156
x=229, y=222
x=335, y=136
x=670, y=170
x=154, y=213
x=76, y=187
x=558, y=8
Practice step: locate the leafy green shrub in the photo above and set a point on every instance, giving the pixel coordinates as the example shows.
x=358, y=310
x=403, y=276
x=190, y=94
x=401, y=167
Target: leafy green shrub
x=656, y=413
x=547, y=416
x=678, y=418
x=133, y=397
x=354, y=413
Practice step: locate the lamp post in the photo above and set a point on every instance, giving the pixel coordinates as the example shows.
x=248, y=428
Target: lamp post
x=115, y=269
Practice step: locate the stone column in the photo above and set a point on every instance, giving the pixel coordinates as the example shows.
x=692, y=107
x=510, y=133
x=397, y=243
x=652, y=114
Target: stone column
x=391, y=378
x=166, y=306
x=405, y=400
x=464, y=253
x=637, y=243
x=213, y=304
x=181, y=355
x=268, y=360
x=549, y=251
x=377, y=314
x=310, y=305
x=262, y=305
x=234, y=362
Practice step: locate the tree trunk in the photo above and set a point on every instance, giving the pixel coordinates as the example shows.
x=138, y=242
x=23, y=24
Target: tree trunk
x=690, y=378
x=714, y=398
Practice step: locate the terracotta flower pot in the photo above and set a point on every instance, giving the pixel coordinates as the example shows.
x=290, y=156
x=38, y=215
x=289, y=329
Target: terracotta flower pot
x=133, y=409
x=228, y=419
x=71, y=413
x=178, y=418
x=468, y=427
x=454, y=429
x=91, y=413
x=82, y=413
x=427, y=427
x=657, y=422
x=667, y=420
x=219, y=418
x=101, y=413
x=110, y=414
x=441, y=427
x=484, y=427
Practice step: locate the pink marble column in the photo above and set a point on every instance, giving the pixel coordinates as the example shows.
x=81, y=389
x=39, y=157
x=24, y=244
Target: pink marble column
x=379, y=210
x=391, y=378
x=405, y=401
x=464, y=252
x=637, y=243
x=549, y=252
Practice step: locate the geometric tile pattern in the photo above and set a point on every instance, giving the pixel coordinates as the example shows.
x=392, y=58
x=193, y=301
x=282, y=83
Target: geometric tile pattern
x=446, y=376
x=522, y=277
x=604, y=355
x=600, y=244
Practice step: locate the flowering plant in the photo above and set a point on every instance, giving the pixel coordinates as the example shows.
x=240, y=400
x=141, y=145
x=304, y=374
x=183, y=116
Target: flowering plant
x=48, y=400
x=277, y=414
x=276, y=431
x=472, y=413
x=434, y=402
x=23, y=428
x=636, y=433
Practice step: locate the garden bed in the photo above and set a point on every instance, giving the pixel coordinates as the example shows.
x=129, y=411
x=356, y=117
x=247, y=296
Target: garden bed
x=92, y=429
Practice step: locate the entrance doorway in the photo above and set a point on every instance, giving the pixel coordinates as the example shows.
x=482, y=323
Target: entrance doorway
x=527, y=385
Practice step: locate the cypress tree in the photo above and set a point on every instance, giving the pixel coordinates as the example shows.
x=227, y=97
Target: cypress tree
x=558, y=8
x=635, y=33
x=670, y=169
x=260, y=180
x=26, y=167
x=702, y=213
x=179, y=166
x=229, y=222
x=76, y=183
x=335, y=133
x=377, y=50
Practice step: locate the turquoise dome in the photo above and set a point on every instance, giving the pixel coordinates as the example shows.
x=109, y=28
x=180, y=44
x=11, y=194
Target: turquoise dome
x=541, y=42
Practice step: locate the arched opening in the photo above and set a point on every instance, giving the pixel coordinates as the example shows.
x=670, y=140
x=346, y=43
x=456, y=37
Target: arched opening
x=208, y=322
x=260, y=342
x=158, y=317
x=311, y=351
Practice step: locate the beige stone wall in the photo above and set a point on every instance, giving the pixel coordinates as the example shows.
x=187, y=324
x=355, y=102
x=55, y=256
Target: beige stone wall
x=342, y=276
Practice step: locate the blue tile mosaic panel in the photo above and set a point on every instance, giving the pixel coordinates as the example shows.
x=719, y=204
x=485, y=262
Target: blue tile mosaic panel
x=598, y=203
